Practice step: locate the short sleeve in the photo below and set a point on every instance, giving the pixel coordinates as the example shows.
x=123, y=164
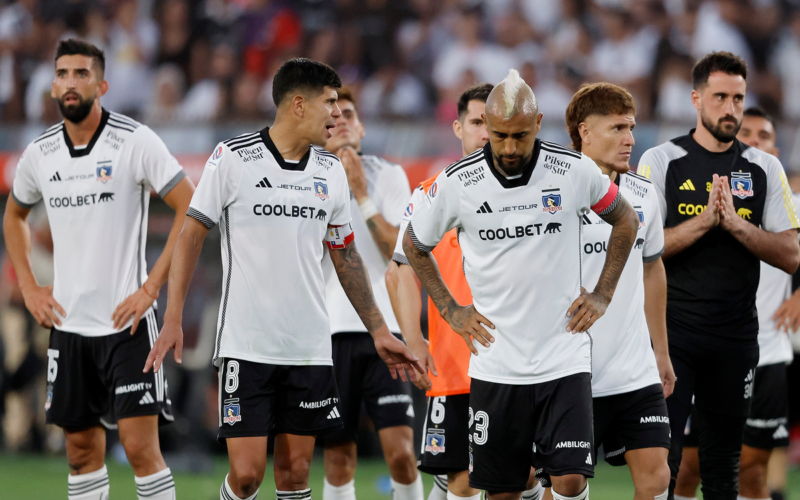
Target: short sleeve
x=159, y=168
x=654, y=231
x=341, y=209
x=393, y=194
x=653, y=167
x=779, y=210
x=25, y=190
x=216, y=189
x=417, y=197
x=594, y=190
x=436, y=215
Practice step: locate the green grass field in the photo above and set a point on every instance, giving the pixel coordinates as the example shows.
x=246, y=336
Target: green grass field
x=38, y=478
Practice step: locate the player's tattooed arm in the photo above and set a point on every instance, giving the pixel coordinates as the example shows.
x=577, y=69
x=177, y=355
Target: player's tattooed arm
x=464, y=320
x=354, y=279
x=589, y=307
x=383, y=234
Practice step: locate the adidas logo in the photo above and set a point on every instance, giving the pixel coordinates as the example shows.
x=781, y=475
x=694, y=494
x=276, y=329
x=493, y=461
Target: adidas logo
x=589, y=459
x=687, y=186
x=410, y=411
x=586, y=220
x=781, y=433
x=56, y=177
x=264, y=183
x=333, y=414
x=485, y=208
x=147, y=399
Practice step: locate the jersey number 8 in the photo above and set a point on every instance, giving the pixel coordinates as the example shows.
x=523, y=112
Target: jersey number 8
x=232, y=377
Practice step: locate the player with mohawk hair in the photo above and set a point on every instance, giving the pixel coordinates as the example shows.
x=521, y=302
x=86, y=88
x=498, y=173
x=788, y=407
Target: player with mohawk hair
x=517, y=205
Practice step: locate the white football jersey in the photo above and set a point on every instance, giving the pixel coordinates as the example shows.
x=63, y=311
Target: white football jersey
x=97, y=200
x=417, y=199
x=520, y=240
x=774, y=287
x=387, y=186
x=274, y=216
x=622, y=355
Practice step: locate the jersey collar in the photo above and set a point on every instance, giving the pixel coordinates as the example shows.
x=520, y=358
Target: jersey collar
x=527, y=171
x=77, y=153
x=277, y=155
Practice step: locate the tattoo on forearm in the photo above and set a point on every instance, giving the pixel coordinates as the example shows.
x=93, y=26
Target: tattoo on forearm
x=624, y=223
x=383, y=237
x=354, y=279
x=428, y=272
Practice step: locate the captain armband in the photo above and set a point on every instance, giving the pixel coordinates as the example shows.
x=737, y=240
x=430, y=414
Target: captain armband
x=339, y=237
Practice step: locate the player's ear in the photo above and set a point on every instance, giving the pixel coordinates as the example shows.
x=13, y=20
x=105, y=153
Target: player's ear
x=103, y=88
x=298, y=105
x=585, y=133
x=53, y=93
x=776, y=152
x=457, y=129
x=696, y=99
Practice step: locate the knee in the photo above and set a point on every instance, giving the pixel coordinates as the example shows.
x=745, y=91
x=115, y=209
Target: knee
x=84, y=453
x=291, y=473
x=340, y=465
x=504, y=495
x=139, y=450
x=654, y=483
x=570, y=485
x=401, y=462
x=246, y=479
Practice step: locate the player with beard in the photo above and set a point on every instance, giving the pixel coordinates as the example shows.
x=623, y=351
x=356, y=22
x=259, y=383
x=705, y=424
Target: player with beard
x=380, y=192
x=94, y=171
x=725, y=206
x=766, y=432
x=518, y=227
x=631, y=369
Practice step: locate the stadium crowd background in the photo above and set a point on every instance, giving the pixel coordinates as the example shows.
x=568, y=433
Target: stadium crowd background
x=199, y=71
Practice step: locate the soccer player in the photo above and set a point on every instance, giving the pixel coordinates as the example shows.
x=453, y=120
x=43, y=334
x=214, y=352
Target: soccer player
x=94, y=172
x=725, y=206
x=277, y=196
x=630, y=377
x=519, y=227
x=766, y=426
x=380, y=192
x=444, y=450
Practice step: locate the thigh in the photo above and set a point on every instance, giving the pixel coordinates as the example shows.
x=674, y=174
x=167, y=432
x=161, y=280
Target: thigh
x=77, y=396
x=348, y=369
x=247, y=456
x=679, y=404
x=604, y=412
x=641, y=423
x=725, y=381
x=388, y=400
x=307, y=401
x=247, y=398
x=767, y=424
x=135, y=393
x=501, y=436
x=564, y=434
x=445, y=435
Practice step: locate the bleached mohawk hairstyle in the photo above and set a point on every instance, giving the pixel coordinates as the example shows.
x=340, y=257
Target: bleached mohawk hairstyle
x=511, y=85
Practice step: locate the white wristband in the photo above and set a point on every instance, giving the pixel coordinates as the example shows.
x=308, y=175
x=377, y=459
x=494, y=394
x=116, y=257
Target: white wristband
x=368, y=209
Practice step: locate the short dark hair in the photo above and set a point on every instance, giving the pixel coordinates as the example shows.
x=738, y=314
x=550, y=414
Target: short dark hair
x=74, y=47
x=345, y=94
x=602, y=99
x=759, y=112
x=479, y=92
x=725, y=62
x=303, y=75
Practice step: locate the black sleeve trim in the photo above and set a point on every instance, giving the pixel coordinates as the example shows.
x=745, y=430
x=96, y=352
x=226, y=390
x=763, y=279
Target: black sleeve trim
x=200, y=217
x=401, y=259
x=172, y=183
x=20, y=202
x=654, y=257
x=613, y=205
x=422, y=247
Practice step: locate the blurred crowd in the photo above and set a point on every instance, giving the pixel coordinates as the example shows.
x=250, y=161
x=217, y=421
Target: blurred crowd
x=201, y=61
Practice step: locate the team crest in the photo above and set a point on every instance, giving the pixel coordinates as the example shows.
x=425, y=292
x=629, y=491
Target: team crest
x=552, y=203
x=741, y=184
x=231, y=412
x=321, y=190
x=434, y=443
x=104, y=173
x=49, y=401
x=641, y=217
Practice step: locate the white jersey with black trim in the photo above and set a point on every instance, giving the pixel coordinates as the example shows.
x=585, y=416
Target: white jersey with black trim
x=97, y=200
x=274, y=216
x=622, y=355
x=387, y=186
x=521, y=244
x=417, y=199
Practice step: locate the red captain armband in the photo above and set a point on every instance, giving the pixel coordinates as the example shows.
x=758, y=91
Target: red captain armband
x=339, y=237
x=609, y=201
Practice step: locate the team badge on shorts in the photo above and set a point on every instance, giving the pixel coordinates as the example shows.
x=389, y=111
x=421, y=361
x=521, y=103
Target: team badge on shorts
x=104, y=172
x=231, y=412
x=741, y=184
x=49, y=400
x=551, y=202
x=434, y=441
x=321, y=190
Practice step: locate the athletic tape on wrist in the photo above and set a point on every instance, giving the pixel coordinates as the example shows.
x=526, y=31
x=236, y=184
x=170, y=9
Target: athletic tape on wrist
x=368, y=209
